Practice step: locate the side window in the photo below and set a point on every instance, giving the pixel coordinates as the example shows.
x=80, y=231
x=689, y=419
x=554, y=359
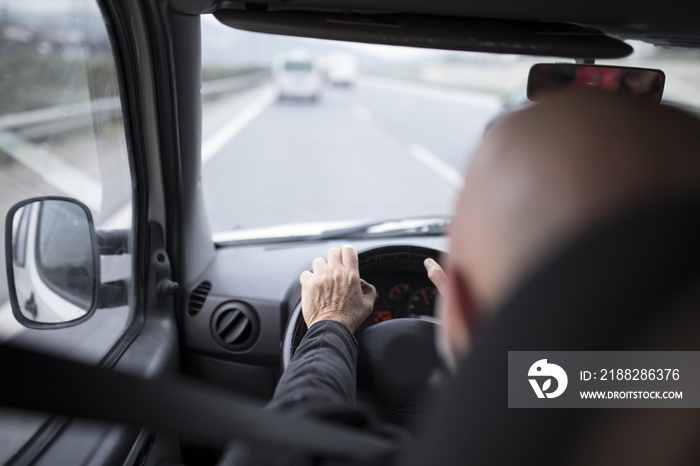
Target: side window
x=61, y=134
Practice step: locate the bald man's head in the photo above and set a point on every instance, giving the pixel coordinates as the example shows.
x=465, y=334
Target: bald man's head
x=545, y=173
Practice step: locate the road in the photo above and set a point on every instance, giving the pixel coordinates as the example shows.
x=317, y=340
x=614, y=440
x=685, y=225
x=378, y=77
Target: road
x=382, y=149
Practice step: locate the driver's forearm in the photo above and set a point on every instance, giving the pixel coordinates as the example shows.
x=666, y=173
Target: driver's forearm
x=322, y=372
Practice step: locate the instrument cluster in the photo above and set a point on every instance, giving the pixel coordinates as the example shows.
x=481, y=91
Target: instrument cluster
x=401, y=294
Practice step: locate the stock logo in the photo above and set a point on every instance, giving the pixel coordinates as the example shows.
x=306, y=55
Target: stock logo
x=542, y=372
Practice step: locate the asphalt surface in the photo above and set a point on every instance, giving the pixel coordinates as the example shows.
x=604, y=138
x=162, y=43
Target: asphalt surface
x=381, y=149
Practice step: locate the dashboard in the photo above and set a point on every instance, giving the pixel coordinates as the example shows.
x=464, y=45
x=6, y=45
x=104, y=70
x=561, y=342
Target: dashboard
x=237, y=313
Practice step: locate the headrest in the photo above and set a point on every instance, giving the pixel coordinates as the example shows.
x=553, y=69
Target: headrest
x=594, y=295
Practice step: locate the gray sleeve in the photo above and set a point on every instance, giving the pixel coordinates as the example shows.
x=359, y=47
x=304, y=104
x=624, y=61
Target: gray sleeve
x=319, y=382
x=322, y=372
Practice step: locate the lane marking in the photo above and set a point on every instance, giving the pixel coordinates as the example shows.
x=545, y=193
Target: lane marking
x=362, y=113
x=63, y=176
x=76, y=184
x=210, y=147
x=433, y=162
x=214, y=143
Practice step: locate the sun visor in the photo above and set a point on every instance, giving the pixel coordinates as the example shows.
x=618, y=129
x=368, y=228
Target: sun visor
x=434, y=32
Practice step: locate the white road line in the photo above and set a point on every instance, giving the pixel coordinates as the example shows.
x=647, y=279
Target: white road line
x=76, y=184
x=214, y=143
x=434, y=163
x=362, y=113
x=210, y=147
x=53, y=170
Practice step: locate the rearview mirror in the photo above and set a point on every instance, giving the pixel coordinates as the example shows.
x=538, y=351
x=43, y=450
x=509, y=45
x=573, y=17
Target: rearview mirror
x=545, y=79
x=52, y=260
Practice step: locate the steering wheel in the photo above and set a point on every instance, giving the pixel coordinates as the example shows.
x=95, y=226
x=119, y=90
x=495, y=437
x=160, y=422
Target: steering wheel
x=398, y=365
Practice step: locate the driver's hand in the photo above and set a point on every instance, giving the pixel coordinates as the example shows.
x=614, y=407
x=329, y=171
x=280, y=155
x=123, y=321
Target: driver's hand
x=436, y=275
x=334, y=290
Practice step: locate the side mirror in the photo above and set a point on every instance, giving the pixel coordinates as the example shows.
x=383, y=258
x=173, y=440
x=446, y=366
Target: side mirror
x=52, y=255
x=545, y=79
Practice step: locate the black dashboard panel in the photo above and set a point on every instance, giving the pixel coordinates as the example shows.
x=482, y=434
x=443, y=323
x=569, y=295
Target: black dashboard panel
x=248, y=293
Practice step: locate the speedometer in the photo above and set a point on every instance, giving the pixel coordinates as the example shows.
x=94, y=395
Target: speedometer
x=422, y=302
x=400, y=292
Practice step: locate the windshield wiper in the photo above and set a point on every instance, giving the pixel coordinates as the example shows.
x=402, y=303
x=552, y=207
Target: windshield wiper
x=412, y=226
x=417, y=226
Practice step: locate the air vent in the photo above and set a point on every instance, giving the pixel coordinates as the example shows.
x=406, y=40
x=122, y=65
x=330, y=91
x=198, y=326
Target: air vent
x=235, y=326
x=198, y=297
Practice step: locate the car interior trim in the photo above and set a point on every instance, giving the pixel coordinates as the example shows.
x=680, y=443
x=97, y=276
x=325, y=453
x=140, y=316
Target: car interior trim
x=424, y=31
x=193, y=410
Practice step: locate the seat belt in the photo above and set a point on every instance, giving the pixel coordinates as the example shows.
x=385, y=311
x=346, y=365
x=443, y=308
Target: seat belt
x=198, y=413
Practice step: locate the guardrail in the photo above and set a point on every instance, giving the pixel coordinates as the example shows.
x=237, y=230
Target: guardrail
x=35, y=124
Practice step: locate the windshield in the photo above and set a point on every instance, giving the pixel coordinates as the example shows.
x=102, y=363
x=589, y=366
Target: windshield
x=380, y=132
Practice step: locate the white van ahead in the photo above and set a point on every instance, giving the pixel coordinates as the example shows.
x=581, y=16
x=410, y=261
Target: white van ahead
x=298, y=75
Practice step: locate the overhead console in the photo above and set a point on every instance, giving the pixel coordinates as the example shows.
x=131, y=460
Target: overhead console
x=592, y=29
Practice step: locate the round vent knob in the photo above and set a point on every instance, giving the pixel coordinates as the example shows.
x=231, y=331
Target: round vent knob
x=235, y=326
